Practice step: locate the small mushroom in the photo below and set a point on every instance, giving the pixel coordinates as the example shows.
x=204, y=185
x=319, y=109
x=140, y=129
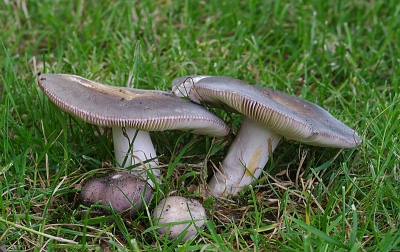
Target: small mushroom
x=122, y=191
x=183, y=215
x=131, y=113
x=268, y=115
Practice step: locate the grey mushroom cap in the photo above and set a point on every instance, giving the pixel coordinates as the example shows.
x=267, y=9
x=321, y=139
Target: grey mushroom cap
x=284, y=114
x=183, y=215
x=146, y=110
x=121, y=191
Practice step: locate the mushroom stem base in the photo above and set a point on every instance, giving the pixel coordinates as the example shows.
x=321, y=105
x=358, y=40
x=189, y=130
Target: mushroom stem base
x=141, y=151
x=245, y=160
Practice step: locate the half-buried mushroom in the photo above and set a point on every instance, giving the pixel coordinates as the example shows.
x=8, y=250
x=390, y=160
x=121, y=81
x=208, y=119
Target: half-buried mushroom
x=268, y=115
x=131, y=113
x=123, y=191
x=178, y=215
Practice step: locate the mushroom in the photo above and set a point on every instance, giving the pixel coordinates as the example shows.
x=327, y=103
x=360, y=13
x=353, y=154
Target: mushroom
x=177, y=215
x=268, y=115
x=131, y=113
x=122, y=191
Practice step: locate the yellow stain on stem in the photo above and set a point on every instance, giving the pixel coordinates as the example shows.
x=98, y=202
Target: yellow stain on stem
x=254, y=162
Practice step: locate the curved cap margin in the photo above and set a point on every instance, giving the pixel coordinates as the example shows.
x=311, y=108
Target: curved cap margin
x=111, y=106
x=287, y=115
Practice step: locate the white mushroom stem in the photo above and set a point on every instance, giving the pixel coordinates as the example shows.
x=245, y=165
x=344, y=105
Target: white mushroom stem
x=246, y=158
x=141, y=151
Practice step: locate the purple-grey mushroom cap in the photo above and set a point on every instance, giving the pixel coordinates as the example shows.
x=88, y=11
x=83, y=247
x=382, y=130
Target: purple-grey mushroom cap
x=121, y=191
x=284, y=114
x=147, y=110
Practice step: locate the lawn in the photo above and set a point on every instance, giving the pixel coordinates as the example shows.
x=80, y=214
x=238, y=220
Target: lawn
x=342, y=55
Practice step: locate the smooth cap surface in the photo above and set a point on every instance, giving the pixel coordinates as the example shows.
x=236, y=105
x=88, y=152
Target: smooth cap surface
x=121, y=190
x=175, y=209
x=282, y=113
x=147, y=110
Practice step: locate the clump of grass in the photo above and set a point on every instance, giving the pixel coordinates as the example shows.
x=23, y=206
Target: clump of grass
x=343, y=56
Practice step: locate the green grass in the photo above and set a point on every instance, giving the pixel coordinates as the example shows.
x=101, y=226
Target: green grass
x=341, y=55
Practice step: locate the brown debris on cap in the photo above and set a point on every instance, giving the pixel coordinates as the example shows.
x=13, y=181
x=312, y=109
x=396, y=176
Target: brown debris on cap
x=146, y=110
x=282, y=113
